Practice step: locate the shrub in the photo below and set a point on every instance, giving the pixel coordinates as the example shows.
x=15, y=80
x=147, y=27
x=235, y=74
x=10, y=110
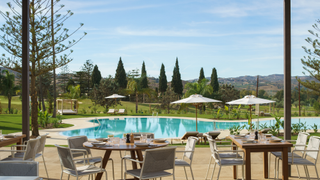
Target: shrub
x=314, y=127
x=55, y=122
x=43, y=118
x=309, y=114
x=295, y=114
x=316, y=114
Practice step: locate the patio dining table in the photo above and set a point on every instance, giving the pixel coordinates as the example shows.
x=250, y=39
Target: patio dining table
x=12, y=139
x=266, y=147
x=134, y=151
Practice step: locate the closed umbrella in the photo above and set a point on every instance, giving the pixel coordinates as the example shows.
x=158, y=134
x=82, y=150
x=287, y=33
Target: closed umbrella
x=196, y=100
x=250, y=100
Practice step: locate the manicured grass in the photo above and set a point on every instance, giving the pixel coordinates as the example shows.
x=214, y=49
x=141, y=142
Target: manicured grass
x=11, y=123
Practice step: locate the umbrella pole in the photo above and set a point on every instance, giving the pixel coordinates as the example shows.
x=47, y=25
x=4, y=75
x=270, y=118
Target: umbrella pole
x=196, y=117
x=250, y=118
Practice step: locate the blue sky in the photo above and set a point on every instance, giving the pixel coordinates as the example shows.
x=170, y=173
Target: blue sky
x=237, y=37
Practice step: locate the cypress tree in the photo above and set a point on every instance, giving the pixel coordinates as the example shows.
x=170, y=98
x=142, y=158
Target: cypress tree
x=162, y=80
x=121, y=77
x=96, y=76
x=214, y=80
x=176, y=82
x=201, y=75
x=144, y=79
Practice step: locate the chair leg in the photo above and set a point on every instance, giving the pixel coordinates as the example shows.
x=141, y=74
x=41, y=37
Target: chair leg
x=269, y=163
x=68, y=176
x=316, y=172
x=191, y=173
x=112, y=169
x=61, y=175
x=298, y=171
x=305, y=170
x=44, y=163
x=106, y=175
x=308, y=172
x=185, y=172
x=214, y=167
x=275, y=168
x=219, y=172
x=278, y=172
x=208, y=167
x=242, y=171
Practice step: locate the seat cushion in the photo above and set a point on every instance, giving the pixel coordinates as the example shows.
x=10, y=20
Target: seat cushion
x=230, y=162
x=300, y=161
x=278, y=154
x=21, y=154
x=180, y=162
x=91, y=161
x=136, y=173
x=229, y=155
x=84, y=170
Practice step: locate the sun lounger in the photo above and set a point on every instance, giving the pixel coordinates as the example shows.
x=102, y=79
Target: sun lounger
x=266, y=130
x=111, y=111
x=188, y=134
x=121, y=111
x=211, y=134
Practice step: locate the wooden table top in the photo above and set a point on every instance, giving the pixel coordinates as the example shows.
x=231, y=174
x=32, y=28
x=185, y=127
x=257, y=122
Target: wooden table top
x=8, y=141
x=257, y=144
x=125, y=146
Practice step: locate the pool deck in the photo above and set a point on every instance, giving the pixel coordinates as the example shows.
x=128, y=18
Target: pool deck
x=81, y=123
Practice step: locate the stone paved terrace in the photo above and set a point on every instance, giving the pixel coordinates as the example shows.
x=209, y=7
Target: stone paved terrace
x=200, y=164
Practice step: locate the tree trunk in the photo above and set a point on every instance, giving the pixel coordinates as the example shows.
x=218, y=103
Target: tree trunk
x=9, y=104
x=137, y=102
x=34, y=107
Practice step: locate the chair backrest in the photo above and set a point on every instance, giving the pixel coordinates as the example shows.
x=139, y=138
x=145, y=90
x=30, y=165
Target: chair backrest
x=160, y=159
x=42, y=143
x=121, y=110
x=314, y=143
x=19, y=168
x=189, y=133
x=302, y=140
x=66, y=158
x=31, y=149
x=190, y=146
x=213, y=134
x=111, y=110
x=213, y=149
x=76, y=142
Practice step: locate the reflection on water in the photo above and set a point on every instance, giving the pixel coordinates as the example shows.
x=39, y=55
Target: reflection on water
x=161, y=127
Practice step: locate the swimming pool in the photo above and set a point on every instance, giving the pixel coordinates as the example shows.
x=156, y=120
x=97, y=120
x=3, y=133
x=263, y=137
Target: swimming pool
x=161, y=127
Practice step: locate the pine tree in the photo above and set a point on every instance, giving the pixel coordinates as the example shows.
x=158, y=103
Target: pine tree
x=214, y=80
x=201, y=75
x=41, y=54
x=121, y=77
x=144, y=79
x=176, y=82
x=162, y=80
x=96, y=76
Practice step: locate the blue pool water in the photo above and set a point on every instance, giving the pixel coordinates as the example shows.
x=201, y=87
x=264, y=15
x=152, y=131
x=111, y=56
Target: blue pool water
x=161, y=127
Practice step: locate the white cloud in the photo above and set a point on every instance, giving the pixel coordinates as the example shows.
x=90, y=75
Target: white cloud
x=169, y=46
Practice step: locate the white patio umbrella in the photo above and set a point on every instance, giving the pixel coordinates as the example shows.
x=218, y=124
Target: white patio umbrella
x=250, y=100
x=196, y=100
x=114, y=96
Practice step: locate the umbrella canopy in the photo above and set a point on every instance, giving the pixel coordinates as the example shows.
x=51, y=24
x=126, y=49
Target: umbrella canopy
x=195, y=99
x=114, y=96
x=250, y=100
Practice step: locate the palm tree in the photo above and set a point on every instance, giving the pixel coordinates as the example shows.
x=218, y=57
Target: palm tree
x=134, y=87
x=8, y=87
x=201, y=87
x=198, y=88
x=74, y=92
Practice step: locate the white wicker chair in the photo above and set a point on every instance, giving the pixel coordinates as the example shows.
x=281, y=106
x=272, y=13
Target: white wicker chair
x=222, y=155
x=300, y=145
x=187, y=154
x=29, y=152
x=69, y=167
x=75, y=143
x=225, y=162
x=311, y=152
x=39, y=152
x=19, y=168
x=157, y=163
